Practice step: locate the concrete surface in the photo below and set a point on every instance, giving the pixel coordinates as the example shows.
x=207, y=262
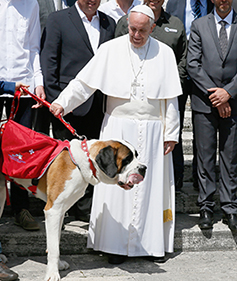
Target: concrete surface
x=185, y=266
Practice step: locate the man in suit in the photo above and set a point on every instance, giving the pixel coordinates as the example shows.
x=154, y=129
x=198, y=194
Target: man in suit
x=48, y=6
x=72, y=38
x=184, y=10
x=42, y=116
x=212, y=65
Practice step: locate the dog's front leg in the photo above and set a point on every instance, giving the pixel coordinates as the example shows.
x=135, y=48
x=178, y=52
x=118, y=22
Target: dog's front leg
x=53, y=223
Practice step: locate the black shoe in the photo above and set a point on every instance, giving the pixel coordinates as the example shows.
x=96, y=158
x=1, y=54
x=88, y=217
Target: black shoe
x=116, y=259
x=206, y=219
x=178, y=185
x=156, y=259
x=26, y=221
x=231, y=221
x=7, y=274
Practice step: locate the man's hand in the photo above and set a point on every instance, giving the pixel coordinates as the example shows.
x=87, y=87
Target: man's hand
x=56, y=109
x=224, y=110
x=219, y=96
x=18, y=87
x=39, y=91
x=168, y=146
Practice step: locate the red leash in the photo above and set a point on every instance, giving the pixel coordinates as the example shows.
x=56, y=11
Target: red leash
x=47, y=104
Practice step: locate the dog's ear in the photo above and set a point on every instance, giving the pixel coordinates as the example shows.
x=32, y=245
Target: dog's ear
x=106, y=161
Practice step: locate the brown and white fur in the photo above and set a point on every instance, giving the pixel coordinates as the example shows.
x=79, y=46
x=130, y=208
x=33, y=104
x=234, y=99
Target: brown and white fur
x=64, y=183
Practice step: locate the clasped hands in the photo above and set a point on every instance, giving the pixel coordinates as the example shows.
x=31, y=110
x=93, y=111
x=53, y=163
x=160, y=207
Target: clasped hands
x=219, y=99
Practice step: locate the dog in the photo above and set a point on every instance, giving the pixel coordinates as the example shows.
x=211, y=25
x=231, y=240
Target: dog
x=67, y=177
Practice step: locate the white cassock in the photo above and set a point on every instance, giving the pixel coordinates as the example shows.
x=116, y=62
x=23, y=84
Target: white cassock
x=144, y=112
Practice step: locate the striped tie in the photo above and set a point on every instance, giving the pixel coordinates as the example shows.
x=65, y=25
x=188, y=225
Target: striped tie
x=223, y=40
x=196, y=9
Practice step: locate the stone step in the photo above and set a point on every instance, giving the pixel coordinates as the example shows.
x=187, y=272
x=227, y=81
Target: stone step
x=188, y=237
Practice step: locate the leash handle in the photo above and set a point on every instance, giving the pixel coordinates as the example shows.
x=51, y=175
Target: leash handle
x=60, y=117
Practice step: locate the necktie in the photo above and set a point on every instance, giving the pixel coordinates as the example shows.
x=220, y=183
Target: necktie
x=59, y=4
x=223, y=38
x=196, y=9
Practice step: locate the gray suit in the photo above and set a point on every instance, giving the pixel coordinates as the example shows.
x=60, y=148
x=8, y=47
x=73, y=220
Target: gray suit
x=208, y=68
x=234, y=5
x=46, y=7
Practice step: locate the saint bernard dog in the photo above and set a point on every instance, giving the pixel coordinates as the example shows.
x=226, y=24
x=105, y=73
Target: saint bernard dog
x=66, y=179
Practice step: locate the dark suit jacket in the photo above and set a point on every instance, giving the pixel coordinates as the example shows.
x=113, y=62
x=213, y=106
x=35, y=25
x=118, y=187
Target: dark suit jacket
x=177, y=8
x=67, y=49
x=206, y=65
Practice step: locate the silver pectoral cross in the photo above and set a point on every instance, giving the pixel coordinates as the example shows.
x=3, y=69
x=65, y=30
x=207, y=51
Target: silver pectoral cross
x=134, y=85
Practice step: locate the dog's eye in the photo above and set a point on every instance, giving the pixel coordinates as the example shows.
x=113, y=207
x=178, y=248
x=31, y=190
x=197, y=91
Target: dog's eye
x=127, y=160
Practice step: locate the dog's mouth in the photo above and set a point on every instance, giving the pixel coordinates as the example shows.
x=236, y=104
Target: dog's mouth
x=132, y=179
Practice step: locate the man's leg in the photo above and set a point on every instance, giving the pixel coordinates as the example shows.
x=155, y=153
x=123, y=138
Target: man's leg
x=19, y=197
x=228, y=170
x=206, y=142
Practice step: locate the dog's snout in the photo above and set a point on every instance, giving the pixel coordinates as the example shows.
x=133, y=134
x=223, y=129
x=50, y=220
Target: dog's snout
x=142, y=170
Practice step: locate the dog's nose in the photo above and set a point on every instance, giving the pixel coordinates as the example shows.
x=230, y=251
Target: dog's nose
x=142, y=170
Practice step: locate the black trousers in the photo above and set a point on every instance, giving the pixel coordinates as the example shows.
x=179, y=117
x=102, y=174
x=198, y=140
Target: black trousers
x=19, y=197
x=178, y=157
x=206, y=128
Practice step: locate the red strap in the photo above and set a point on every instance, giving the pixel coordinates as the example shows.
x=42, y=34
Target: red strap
x=47, y=104
x=85, y=149
x=13, y=108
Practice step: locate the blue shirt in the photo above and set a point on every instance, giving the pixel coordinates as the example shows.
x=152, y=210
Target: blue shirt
x=7, y=87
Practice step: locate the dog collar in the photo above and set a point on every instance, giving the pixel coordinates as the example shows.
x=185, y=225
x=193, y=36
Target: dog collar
x=85, y=149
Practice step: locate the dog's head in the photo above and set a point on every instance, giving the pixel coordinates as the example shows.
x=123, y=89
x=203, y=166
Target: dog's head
x=117, y=162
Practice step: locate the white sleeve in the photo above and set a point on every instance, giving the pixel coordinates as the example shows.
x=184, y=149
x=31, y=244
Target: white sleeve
x=34, y=44
x=172, y=120
x=74, y=95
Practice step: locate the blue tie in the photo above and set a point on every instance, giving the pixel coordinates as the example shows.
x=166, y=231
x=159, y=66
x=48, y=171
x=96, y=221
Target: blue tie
x=196, y=9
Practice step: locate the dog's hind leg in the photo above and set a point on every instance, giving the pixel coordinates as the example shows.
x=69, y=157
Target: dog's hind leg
x=53, y=220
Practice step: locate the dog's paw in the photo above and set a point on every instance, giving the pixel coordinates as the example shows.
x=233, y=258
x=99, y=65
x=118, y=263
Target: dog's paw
x=3, y=258
x=52, y=277
x=63, y=265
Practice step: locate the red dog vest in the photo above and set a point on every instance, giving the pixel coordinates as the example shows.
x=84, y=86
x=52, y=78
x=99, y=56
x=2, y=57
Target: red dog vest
x=26, y=153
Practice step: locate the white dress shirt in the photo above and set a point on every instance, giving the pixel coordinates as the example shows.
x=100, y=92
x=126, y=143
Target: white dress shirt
x=228, y=21
x=20, y=36
x=92, y=28
x=112, y=9
x=64, y=4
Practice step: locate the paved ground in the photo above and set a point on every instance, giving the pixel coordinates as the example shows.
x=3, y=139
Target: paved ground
x=185, y=266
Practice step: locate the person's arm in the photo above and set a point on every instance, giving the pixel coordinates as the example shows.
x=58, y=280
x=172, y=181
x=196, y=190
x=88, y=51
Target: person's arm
x=182, y=48
x=34, y=43
x=71, y=97
x=171, y=123
x=10, y=87
x=7, y=87
x=194, y=61
x=51, y=58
